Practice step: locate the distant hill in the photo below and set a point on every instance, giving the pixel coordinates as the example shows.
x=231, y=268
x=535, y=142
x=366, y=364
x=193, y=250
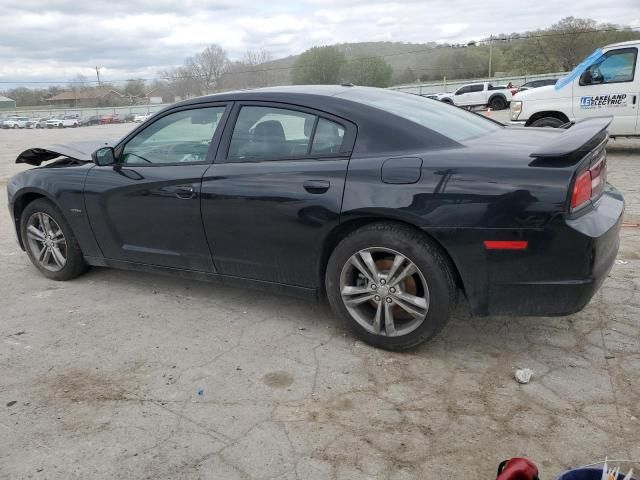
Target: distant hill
x=557, y=48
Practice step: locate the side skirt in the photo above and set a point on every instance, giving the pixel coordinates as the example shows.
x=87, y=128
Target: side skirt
x=238, y=282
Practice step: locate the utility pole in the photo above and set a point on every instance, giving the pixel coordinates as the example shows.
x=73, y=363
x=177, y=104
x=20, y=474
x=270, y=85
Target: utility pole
x=490, y=52
x=98, y=72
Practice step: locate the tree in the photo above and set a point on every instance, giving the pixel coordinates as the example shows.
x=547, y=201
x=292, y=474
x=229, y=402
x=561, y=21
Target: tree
x=207, y=67
x=256, y=73
x=135, y=88
x=370, y=71
x=565, y=41
x=319, y=65
x=407, y=76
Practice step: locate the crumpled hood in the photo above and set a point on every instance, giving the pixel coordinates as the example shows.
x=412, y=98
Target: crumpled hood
x=78, y=151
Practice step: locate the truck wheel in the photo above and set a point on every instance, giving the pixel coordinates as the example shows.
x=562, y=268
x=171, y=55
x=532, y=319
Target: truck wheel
x=548, y=122
x=498, y=103
x=391, y=285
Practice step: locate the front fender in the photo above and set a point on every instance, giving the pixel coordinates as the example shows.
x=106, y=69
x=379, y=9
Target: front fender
x=64, y=188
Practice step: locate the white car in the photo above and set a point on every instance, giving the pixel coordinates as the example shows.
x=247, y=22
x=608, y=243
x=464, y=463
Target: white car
x=37, y=122
x=66, y=121
x=496, y=97
x=142, y=117
x=15, y=122
x=607, y=83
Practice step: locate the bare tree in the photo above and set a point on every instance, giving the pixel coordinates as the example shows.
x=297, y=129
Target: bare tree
x=255, y=62
x=207, y=67
x=181, y=82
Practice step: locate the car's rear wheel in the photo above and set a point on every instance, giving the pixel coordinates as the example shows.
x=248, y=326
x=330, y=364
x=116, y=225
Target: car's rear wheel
x=49, y=241
x=391, y=285
x=548, y=122
x=498, y=103
x=15, y=126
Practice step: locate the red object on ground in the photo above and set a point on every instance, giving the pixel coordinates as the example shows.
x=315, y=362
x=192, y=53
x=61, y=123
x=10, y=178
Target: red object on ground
x=517, y=469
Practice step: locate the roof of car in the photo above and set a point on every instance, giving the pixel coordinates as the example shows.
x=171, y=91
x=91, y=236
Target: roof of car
x=623, y=44
x=275, y=92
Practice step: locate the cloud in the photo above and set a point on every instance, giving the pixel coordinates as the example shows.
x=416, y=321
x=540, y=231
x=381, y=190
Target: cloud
x=45, y=40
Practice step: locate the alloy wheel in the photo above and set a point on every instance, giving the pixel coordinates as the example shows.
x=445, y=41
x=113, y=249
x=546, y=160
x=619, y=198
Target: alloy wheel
x=384, y=291
x=46, y=242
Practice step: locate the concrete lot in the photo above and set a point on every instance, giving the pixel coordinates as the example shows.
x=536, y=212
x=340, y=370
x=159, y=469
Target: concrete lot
x=130, y=375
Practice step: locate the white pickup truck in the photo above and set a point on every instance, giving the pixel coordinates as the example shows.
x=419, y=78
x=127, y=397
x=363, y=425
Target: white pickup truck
x=480, y=94
x=607, y=83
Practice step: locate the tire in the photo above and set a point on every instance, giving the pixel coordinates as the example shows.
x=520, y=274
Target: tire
x=60, y=125
x=447, y=101
x=498, y=103
x=15, y=126
x=548, y=122
x=74, y=264
x=432, y=284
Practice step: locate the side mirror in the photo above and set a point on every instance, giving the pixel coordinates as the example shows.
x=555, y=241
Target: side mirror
x=104, y=156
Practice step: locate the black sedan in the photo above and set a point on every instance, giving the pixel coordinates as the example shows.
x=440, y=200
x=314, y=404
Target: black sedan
x=387, y=204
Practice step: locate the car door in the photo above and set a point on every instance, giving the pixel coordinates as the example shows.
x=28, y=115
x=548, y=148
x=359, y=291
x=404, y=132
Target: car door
x=477, y=95
x=146, y=208
x=275, y=191
x=611, y=86
x=461, y=97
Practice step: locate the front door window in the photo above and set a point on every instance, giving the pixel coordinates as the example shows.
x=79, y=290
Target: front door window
x=180, y=137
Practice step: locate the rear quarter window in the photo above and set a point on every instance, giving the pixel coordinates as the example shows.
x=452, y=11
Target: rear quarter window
x=452, y=122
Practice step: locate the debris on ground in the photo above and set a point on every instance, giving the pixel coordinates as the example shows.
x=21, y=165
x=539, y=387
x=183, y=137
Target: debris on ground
x=523, y=375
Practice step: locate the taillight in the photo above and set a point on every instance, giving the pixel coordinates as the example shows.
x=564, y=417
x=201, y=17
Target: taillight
x=589, y=184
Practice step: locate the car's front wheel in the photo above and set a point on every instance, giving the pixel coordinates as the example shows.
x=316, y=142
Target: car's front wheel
x=49, y=241
x=393, y=287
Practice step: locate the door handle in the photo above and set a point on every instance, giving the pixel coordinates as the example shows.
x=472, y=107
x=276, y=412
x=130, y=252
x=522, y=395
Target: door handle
x=633, y=99
x=316, y=186
x=184, y=191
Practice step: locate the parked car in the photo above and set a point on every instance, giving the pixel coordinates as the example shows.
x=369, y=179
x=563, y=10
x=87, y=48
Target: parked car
x=107, y=119
x=480, y=94
x=605, y=84
x=37, y=122
x=119, y=118
x=537, y=84
x=62, y=122
x=92, y=120
x=15, y=122
x=141, y=117
x=385, y=202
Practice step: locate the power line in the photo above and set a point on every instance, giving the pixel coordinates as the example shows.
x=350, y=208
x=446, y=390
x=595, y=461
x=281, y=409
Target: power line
x=509, y=38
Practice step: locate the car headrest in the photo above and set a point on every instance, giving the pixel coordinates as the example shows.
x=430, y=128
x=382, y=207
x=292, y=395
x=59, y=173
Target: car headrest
x=269, y=130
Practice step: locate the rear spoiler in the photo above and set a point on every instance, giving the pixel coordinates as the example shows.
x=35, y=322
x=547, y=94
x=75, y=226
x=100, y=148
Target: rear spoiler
x=583, y=136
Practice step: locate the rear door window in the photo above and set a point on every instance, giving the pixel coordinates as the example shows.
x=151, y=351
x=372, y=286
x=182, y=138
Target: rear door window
x=270, y=133
x=327, y=138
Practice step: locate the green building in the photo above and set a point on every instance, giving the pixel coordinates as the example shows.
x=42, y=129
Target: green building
x=6, y=102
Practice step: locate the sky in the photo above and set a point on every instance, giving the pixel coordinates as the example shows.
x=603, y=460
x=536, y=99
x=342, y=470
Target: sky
x=55, y=40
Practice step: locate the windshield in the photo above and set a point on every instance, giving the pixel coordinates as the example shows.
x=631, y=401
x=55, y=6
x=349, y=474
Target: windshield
x=449, y=121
